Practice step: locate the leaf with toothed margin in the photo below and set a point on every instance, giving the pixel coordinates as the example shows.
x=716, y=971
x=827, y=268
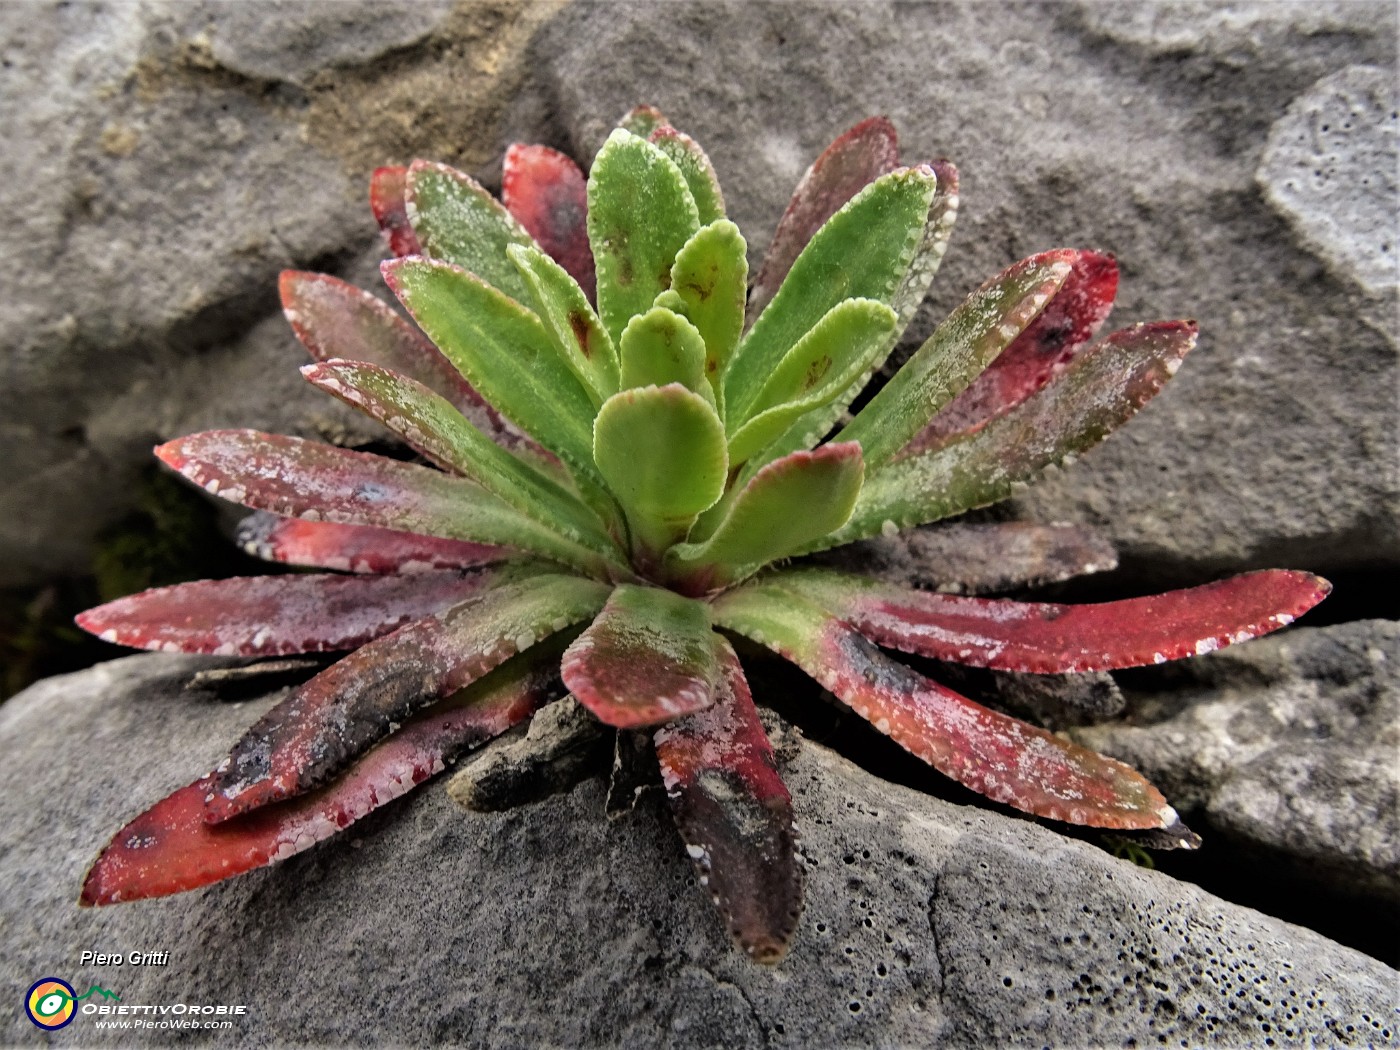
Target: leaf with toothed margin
x=504, y=350
x=1000, y=757
x=810, y=428
x=310, y=737
x=640, y=214
x=1066, y=324
x=565, y=311
x=858, y=157
x=864, y=251
x=661, y=347
x=436, y=429
x=981, y=558
x=387, y=187
x=695, y=168
x=356, y=548
x=294, y=478
x=790, y=501
x=1046, y=638
x=839, y=349
x=277, y=615
x=1099, y=390
x=708, y=280
x=459, y=222
x=548, y=195
x=643, y=120
x=170, y=848
x=735, y=815
x=648, y=657
x=959, y=349
x=662, y=452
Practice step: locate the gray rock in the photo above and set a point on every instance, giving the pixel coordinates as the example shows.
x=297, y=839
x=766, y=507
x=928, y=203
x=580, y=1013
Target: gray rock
x=1329, y=168
x=1287, y=747
x=926, y=923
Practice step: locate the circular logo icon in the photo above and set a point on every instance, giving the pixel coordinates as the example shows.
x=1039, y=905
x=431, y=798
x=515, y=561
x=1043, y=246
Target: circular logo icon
x=49, y=1003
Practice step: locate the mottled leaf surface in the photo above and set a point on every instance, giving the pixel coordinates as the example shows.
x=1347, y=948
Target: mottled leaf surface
x=1100, y=389
x=578, y=334
x=459, y=222
x=1067, y=323
x=695, y=167
x=170, y=848
x=356, y=548
x=735, y=815
x=503, y=349
x=786, y=505
x=864, y=251
x=640, y=214
x=648, y=657
x=960, y=348
x=1049, y=638
x=293, y=477
x=548, y=195
x=857, y=157
x=1000, y=757
x=387, y=188
x=709, y=278
x=277, y=615
x=306, y=740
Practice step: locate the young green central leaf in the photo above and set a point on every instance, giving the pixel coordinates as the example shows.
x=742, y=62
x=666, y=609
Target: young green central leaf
x=709, y=278
x=661, y=347
x=640, y=214
x=662, y=452
x=649, y=657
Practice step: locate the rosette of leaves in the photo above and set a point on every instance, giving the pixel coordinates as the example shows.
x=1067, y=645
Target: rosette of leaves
x=625, y=444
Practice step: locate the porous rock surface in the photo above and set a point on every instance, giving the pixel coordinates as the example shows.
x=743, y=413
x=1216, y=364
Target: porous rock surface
x=1286, y=748
x=926, y=923
x=175, y=157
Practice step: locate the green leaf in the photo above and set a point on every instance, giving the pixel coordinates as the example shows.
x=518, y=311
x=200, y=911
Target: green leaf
x=789, y=503
x=661, y=347
x=459, y=222
x=709, y=277
x=642, y=121
x=504, y=350
x=432, y=424
x=1099, y=390
x=985, y=324
x=648, y=658
x=695, y=167
x=640, y=214
x=824, y=363
x=577, y=332
x=864, y=251
x=662, y=452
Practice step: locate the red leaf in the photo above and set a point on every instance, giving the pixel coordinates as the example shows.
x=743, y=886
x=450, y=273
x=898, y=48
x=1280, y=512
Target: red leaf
x=277, y=615
x=1066, y=324
x=1046, y=638
x=735, y=815
x=386, y=199
x=321, y=728
x=548, y=195
x=356, y=548
x=858, y=157
x=170, y=847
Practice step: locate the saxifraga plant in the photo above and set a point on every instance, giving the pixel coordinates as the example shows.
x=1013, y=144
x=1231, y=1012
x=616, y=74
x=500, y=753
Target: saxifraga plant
x=612, y=488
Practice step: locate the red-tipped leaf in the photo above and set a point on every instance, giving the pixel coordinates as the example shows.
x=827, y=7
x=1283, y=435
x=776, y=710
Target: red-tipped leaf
x=648, y=657
x=170, y=848
x=356, y=548
x=277, y=615
x=856, y=158
x=306, y=740
x=1046, y=638
x=548, y=195
x=735, y=815
x=387, y=187
x=1007, y=760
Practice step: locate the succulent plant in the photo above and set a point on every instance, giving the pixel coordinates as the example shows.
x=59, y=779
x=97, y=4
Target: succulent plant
x=626, y=445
